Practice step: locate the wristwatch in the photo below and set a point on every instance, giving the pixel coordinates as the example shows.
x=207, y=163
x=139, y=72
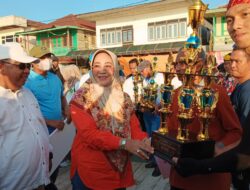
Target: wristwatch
x=123, y=144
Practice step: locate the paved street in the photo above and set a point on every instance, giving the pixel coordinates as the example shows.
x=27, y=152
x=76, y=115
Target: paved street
x=144, y=180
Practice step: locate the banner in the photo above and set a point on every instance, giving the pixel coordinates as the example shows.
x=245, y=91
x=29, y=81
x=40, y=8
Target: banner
x=61, y=142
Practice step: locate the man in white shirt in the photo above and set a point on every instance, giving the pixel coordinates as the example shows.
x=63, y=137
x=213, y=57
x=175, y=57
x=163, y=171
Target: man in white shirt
x=24, y=142
x=128, y=87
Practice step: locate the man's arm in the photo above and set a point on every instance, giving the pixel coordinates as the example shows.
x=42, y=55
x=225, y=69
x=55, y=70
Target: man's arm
x=65, y=109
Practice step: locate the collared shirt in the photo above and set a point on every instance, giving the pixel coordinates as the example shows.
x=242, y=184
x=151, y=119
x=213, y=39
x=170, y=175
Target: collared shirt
x=48, y=90
x=240, y=99
x=24, y=142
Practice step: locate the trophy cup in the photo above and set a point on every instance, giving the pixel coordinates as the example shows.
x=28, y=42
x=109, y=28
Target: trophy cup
x=137, y=89
x=166, y=95
x=207, y=99
x=149, y=96
x=149, y=93
x=182, y=143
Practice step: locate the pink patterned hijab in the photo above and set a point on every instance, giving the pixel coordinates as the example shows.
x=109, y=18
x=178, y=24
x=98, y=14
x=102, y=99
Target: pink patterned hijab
x=110, y=108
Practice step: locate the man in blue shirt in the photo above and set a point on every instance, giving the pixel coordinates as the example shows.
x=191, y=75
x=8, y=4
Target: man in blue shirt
x=240, y=69
x=48, y=90
x=240, y=97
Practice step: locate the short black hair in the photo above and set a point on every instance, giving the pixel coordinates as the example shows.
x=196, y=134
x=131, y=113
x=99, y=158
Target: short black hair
x=54, y=58
x=243, y=50
x=134, y=60
x=221, y=68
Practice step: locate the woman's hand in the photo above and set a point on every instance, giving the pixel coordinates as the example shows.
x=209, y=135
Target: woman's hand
x=139, y=148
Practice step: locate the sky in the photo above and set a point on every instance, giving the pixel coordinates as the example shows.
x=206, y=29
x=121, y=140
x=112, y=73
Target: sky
x=49, y=10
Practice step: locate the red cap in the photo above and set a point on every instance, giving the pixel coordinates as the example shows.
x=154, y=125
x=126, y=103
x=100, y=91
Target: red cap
x=236, y=2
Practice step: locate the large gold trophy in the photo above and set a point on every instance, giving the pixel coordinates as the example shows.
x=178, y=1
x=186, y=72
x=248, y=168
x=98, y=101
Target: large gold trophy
x=149, y=93
x=167, y=90
x=207, y=99
x=137, y=89
x=181, y=143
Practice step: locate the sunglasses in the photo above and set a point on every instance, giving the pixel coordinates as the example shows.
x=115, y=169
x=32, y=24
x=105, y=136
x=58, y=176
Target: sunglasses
x=21, y=66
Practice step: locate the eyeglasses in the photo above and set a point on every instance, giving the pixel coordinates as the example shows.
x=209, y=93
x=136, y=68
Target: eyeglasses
x=21, y=66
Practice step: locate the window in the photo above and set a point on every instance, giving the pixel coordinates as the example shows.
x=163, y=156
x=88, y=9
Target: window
x=118, y=36
x=103, y=39
x=109, y=38
x=167, y=29
x=130, y=35
x=112, y=36
x=160, y=32
x=59, y=42
x=124, y=36
x=127, y=36
x=64, y=39
x=45, y=42
x=172, y=30
x=163, y=32
x=9, y=38
x=151, y=33
x=182, y=29
x=3, y=40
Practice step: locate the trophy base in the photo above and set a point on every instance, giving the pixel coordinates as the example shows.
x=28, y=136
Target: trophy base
x=166, y=146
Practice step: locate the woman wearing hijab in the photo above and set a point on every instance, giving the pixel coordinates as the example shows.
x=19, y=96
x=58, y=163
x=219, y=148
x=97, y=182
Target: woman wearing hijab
x=107, y=129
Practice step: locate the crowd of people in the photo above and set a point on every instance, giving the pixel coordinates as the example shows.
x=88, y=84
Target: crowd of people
x=38, y=95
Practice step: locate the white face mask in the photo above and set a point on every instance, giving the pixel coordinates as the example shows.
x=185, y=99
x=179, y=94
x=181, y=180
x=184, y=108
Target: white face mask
x=45, y=64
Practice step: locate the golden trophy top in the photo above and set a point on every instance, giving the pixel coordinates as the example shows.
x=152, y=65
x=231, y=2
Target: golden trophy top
x=196, y=14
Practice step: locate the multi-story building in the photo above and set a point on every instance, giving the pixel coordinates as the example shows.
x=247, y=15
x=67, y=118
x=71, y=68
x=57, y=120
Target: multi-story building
x=65, y=34
x=222, y=41
x=148, y=30
x=10, y=25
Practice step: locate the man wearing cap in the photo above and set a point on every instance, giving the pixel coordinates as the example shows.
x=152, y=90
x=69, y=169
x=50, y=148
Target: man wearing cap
x=48, y=89
x=225, y=77
x=151, y=119
x=24, y=142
